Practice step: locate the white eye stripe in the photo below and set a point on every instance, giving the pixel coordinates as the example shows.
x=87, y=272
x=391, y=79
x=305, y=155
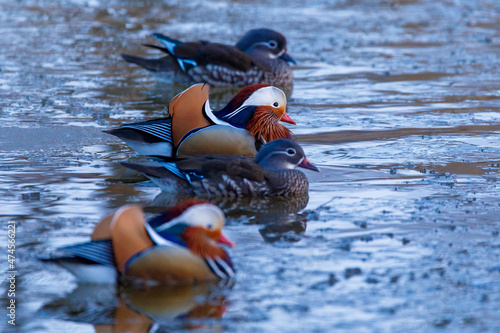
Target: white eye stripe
x=275, y=56
x=266, y=96
x=271, y=44
x=203, y=215
x=263, y=96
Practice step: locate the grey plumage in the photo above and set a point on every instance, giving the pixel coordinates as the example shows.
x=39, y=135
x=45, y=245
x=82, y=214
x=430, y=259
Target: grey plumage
x=271, y=173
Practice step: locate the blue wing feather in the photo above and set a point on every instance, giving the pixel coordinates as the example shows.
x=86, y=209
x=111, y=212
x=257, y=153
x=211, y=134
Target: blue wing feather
x=184, y=63
x=99, y=252
x=172, y=167
x=169, y=43
x=160, y=128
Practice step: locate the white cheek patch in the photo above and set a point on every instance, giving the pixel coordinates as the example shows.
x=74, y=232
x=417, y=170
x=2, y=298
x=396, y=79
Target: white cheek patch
x=290, y=166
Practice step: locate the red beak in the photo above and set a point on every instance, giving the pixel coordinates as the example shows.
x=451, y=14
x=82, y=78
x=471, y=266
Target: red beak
x=286, y=118
x=308, y=165
x=224, y=240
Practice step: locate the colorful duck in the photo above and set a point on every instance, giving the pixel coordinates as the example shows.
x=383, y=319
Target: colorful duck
x=259, y=57
x=271, y=173
x=248, y=121
x=178, y=246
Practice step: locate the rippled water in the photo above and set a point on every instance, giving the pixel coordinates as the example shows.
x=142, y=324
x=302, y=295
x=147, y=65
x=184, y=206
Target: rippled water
x=397, y=101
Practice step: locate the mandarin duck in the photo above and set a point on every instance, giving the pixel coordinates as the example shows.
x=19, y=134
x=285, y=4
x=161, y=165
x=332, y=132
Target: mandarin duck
x=178, y=246
x=249, y=120
x=259, y=57
x=271, y=173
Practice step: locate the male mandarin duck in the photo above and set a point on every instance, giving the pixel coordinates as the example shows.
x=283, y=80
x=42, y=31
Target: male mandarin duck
x=259, y=57
x=248, y=121
x=178, y=246
x=271, y=173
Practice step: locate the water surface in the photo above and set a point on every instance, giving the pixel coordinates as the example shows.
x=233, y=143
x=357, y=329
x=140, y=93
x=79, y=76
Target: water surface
x=398, y=102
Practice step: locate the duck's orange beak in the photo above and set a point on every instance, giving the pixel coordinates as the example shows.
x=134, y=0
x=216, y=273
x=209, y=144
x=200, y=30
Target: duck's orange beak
x=286, y=118
x=224, y=240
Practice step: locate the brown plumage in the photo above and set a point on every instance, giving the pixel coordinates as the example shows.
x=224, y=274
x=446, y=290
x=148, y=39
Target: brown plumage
x=205, y=53
x=128, y=235
x=259, y=57
x=178, y=246
x=271, y=173
x=185, y=109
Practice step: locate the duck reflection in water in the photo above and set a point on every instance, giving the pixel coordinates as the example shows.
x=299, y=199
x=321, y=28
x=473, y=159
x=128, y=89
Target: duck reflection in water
x=126, y=309
x=279, y=216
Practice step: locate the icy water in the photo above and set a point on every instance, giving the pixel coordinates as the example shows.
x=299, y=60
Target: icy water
x=398, y=102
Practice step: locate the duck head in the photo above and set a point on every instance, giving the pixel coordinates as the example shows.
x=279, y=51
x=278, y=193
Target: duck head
x=259, y=108
x=198, y=224
x=264, y=44
x=283, y=154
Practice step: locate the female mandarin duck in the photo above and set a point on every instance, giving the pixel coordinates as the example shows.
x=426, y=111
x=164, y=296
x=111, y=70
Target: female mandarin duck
x=178, y=246
x=259, y=57
x=248, y=121
x=271, y=173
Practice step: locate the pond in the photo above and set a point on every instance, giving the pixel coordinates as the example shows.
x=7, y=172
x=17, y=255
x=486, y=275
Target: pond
x=397, y=101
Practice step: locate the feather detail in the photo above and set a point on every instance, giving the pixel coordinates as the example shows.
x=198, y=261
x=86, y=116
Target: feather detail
x=242, y=96
x=200, y=243
x=186, y=111
x=265, y=124
x=173, y=212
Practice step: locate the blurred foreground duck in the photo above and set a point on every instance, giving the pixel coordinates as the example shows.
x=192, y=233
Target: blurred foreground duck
x=271, y=173
x=259, y=57
x=248, y=121
x=178, y=246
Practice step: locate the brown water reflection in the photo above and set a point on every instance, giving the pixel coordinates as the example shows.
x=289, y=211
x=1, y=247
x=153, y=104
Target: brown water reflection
x=339, y=137
x=110, y=309
x=278, y=217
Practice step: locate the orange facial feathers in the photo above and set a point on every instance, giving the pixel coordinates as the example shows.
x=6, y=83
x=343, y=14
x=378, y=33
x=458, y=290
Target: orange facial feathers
x=202, y=243
x=265, y=124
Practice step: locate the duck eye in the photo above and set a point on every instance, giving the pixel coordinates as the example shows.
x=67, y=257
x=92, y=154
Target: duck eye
x=276, y=104
x=210, y=226
x=290, y=151
x=273, y=44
